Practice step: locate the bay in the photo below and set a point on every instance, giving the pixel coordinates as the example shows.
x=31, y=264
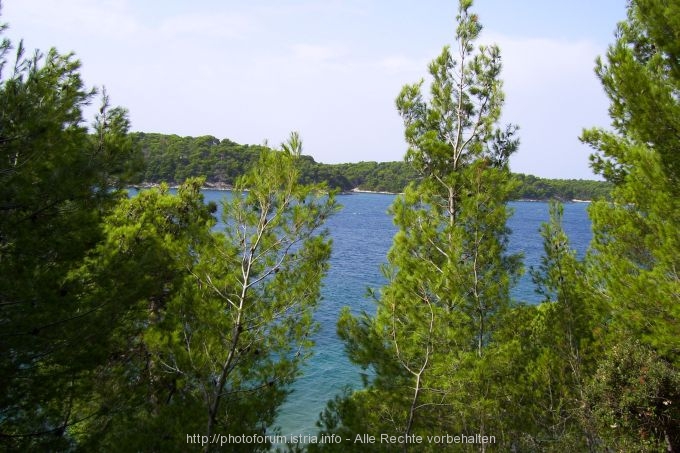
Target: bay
x=362, y=234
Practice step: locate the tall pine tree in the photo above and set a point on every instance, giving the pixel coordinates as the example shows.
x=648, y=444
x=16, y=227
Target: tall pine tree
x=448, y=270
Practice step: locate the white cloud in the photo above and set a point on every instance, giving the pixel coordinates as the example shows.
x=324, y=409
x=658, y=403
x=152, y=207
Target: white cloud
x=530, y=60
x=552, y=93
x=401, y=64
x=220, y=25
x=98, y=19
x=318, y=53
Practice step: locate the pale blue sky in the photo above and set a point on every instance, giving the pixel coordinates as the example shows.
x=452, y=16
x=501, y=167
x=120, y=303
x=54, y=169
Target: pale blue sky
x=256, y=70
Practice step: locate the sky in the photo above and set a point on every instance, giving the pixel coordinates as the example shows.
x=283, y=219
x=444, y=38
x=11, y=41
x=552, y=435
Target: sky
x=256, y=70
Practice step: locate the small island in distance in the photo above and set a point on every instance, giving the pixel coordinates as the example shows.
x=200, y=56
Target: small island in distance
x=173, y=159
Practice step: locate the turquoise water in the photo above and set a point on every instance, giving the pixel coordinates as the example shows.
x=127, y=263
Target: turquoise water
x=362, y=234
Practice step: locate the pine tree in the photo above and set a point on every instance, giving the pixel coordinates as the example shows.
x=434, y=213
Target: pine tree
x=262, y=285
x=57, y=181
x=126, y=322
x=637, y=235
x=546, y=411
x=218, y=323
x=135, y=276
x=448, y=271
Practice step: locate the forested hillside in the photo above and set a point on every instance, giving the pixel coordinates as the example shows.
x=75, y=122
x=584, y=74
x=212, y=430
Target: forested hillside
x=173, y=159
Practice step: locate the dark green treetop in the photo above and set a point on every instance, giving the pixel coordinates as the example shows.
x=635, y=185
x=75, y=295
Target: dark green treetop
x=57, y=181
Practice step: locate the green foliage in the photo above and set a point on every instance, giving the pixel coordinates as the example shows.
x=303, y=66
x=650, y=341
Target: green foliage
x=265, y=277
x=532, y=188
x=127, y=323
x=557, y=352
x=637, y=235
x=431, y=342
x=595, y=366
x=390, y=177
x=56, y=183
x=633, y=397
x=172, y=159
x=138, y=274
x=218, y=323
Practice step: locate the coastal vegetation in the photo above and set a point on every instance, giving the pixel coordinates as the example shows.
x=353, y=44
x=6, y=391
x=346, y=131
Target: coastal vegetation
x=138, y=323
x=127, y=323
x=173, y=159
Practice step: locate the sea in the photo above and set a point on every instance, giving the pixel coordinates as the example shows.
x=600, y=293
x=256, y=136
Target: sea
x=362, y=234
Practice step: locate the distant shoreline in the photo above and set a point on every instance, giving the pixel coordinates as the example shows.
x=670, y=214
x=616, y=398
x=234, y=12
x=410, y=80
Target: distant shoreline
x=357, y=190
x=537, y=200
x=206, y=186
x=227, y=187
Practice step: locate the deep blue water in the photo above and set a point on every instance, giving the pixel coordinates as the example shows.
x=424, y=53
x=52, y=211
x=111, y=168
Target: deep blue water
x=362, y=234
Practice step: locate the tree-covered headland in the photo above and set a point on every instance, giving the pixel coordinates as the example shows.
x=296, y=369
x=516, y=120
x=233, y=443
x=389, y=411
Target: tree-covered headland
x=173, y=159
